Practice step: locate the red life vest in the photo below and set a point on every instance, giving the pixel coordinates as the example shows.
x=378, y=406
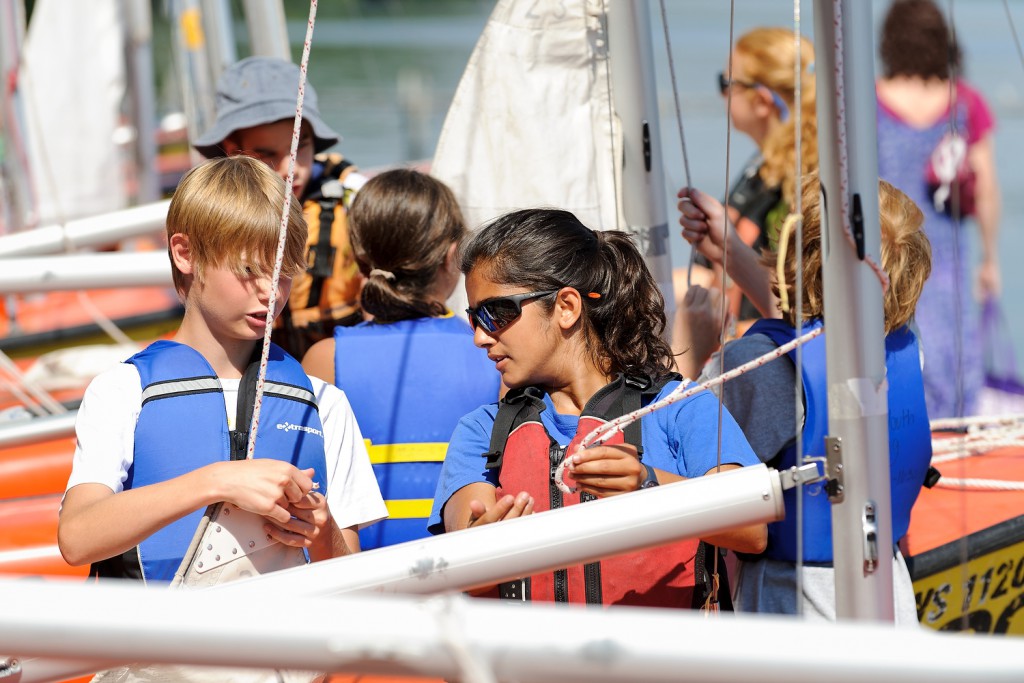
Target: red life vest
x=526, y=457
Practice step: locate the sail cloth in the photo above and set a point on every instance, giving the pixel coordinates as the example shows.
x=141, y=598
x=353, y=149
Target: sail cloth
x=531, y=122
x=72, y=83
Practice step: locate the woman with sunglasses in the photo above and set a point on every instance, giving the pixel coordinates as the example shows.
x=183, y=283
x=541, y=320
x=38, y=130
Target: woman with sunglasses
x=762, y=98
x=412, y=371
x=572, y=318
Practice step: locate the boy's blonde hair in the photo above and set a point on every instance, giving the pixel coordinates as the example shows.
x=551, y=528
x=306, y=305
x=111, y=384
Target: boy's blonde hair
x=906, y=255
x=230, y=211
x=769, y=58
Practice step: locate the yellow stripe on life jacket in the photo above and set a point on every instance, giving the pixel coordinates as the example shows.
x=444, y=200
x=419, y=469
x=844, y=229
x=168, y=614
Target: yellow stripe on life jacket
x=418, y=508
x=381, y=454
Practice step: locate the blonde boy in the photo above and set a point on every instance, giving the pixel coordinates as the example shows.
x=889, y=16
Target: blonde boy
x=163, y=435
x=763, y=405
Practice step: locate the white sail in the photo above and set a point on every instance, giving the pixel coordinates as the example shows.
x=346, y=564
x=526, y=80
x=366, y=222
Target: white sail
x=531, y=123
x=76, y=165
x=556, y=108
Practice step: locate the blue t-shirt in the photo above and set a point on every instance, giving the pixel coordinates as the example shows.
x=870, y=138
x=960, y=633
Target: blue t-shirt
x=680, y=438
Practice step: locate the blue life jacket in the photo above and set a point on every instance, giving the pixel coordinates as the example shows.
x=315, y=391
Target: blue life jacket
x=409, y=383
x=910, y=444
x=183, y=426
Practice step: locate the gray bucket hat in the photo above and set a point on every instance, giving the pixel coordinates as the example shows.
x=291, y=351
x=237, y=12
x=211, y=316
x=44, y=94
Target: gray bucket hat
x=259, y=90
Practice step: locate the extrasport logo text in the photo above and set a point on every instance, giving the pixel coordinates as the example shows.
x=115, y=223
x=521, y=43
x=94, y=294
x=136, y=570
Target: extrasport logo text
x=289, y=427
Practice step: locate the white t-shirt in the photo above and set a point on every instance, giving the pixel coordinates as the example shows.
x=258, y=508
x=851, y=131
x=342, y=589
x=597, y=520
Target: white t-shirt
x=106, y=442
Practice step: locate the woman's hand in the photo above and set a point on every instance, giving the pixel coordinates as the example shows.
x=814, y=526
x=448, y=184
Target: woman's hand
x=607, y=470
x=703, y=220
x=989, y=282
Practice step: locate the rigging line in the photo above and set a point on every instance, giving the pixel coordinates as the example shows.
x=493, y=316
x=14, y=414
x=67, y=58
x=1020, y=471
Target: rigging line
x=798, y=294
x=942, y=423
x=964, y=484
x=609, y=429
x=102, y=320
x=611, y=113
x=283, y=234
x=36, y=395
x=954, y=205
x=956, y=218
x=1013, y=31
x=679, y=121
x=713, y=597
x=728, y=224
x=843, y=156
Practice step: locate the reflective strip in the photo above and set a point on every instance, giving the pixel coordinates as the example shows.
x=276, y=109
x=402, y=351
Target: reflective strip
x=289, y=391
x=182, y=386
x=415, y=508
x=388, y=453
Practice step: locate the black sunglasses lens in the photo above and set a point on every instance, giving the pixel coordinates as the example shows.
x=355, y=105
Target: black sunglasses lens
x=498, y=314
x=723, y=83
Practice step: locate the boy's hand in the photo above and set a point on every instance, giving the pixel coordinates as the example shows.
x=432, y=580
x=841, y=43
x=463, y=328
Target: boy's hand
x=506, y=507
x=703, y=220
x=607, y=470
x=265, y=486
x=309, y=516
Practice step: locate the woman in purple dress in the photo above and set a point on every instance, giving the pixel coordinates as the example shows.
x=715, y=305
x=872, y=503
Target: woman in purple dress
x=918, y=107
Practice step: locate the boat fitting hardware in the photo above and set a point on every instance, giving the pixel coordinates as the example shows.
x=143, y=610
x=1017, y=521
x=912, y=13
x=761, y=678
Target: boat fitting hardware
x=10, y=668
x=834, y=469
x=870, y=539
x=804, y=474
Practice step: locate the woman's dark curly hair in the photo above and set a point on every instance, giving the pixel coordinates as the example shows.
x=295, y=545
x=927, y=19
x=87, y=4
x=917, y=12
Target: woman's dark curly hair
x=543, y=249
x=916, y=41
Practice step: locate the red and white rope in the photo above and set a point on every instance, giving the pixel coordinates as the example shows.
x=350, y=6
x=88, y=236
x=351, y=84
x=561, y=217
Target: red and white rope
x=276, y=277
x=609, y=429
x=980, y=484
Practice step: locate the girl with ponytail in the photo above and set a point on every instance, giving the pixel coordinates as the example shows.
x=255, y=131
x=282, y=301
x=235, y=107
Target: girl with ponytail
x=412, y=371
x=572, y=319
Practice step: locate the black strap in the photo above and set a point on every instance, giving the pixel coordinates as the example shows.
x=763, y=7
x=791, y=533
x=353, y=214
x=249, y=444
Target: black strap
x=123, y=566
x=703, y=588
x=320, y=259
x=245, y=406
x=632, y=399
x=513, y=410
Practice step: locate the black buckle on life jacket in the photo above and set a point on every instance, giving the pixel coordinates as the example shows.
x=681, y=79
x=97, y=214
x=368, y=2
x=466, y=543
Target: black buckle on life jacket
x=512, y=410
x=639, y=382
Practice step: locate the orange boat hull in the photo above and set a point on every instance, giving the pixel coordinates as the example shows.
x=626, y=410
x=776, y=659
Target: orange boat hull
x=966, y=548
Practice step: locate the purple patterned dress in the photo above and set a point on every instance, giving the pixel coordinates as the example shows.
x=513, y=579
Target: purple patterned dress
x=947, y=315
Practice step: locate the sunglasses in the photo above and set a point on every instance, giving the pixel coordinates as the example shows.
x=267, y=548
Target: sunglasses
x=724, y=84
x=494, y=315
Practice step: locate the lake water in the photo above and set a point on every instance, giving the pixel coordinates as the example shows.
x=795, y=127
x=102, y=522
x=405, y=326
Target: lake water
x=358, y=63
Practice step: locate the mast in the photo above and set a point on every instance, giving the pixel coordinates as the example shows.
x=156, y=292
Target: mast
x=15, y=193
x=193, y=62
x=139, y=52
x=642, y=187
x=858, y=441
x=268, y=31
